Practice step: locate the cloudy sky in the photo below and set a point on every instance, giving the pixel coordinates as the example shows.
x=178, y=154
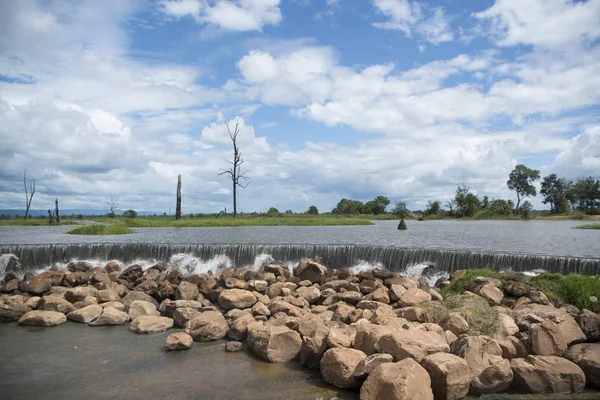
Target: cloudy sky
x=338, y=98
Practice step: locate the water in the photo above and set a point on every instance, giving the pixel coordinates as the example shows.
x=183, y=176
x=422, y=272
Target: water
x=76, y=361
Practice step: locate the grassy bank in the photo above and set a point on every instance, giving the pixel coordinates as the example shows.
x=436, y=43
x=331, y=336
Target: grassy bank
x=582, y=291
x=588, y=226
x=230, y=222
x=33, y=222
x=100, y=230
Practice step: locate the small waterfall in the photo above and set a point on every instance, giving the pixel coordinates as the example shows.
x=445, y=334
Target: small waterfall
x=335, y=256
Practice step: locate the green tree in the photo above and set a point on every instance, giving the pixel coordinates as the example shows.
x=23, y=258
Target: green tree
x=401, y=210
x=521, y=181
x=313, y=210
x=376, y=206
x=273, y=212
x=499, y=208
x=586, y=193
x=485, y=202
x=554, y=192
x=433, y=208
x=467, y=203
x=525, y=210
x=347, y=206
x=130, y=214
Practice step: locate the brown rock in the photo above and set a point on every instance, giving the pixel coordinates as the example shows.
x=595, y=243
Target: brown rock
x=150, y=324
x=517, y=289
x=208, y=326
x=491, y=293
x=449, y=375
x=42, y=318
x=186, y=291
x=110, y=316
x=311, y=270
x=413, y=296
x=412, y=344
x=547, y=339
x=106, y=295
x=276, y=344
x=10, y=312
x=547, y=374
x=590, y=325
x=55, y=303
x=587, y=357
x=458, y=274
x=368, y=336
x=456, y=324
x=132, y=273
x=112, y=266
x=338, y=366
x=135, y=295
x=397, y=381
x=311, y=294
x=506, y=326
x=141, y=307
x=86, y=314
x=495, y=378
x=182, y=315
x=117, y=305
x=340, y=337
x=238, y=329
x=79, y=266
x=35, y=286
x=79, y=293
x=178, y=341
x=234, y=346
x=366, y=366
x=313, y=348
x=276, y=269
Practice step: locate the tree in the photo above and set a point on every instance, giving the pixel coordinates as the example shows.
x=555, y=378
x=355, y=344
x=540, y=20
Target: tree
x=130, y=214
x=112, y=203
x=347, y=206
x=526, y=209
x=313, y=210
x=273, y=212
x=485, y=202
x=433, y=208
x=450, y=204
x=235, y=173
x=28, y=192
x=178, y=205
x=401, y=210
x=554, y=191
x=376, y=206
x=521, y=181
x=586, y=193
x=56, y=211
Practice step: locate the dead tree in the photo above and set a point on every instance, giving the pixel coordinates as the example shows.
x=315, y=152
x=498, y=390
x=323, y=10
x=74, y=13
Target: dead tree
x=178, y=205
x=56, y=211
x=234, y=172
x=113, y=203
x=28, y=193
x=50, y=219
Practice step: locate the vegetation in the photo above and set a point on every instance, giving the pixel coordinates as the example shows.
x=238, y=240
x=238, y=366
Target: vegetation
x=582, y=291
x=521, y=180
x=459, y=286
x=239, y=221
x=588, y=226
x=313, y=210
x=131, y=214
x=100, y=229
x=43, y=221
x=350, y=207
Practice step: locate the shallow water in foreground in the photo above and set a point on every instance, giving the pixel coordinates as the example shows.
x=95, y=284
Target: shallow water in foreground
x=75, y=361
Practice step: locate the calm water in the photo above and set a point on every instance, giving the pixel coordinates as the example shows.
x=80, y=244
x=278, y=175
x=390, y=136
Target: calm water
x=525, y=237
x=76, y=361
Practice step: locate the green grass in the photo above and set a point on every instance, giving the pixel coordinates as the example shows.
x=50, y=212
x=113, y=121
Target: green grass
x=33, y=222
x=100, y=230
x=588, y=226
x=230, y=222
x=582, y=291
x=459, y=286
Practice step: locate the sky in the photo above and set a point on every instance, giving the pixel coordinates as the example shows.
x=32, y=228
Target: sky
x=407, y=99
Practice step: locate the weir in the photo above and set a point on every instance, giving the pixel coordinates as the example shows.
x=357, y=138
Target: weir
x=334, y=256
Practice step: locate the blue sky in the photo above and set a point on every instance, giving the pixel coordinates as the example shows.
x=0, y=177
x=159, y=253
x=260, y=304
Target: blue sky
x=338, y=98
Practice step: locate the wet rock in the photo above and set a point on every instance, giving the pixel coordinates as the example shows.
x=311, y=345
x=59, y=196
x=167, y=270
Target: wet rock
x=182, y=315
x=311, y=270
x=338, y=366
x=276, y=269
x=186, y=291
x=449, y=375
x=141, y=307
x=112, y=266
x=106, y=295
x=587, y=357
x=55, y=276
x=178, y=341
x=234, y=346
x=80, y=293
x=80, y=266
x=55, y=303
x=547, y=374
x=398, y=381
x=133, y=296
x=110, y=316
x=77, y=278
x=35, y=286
x=412, y=344
x=42, y=318
x=150, y=324
x=276, y=344
x=208, y=326
x=10, y=312
x=132, y=273
x=86, y=314
x=238, y=329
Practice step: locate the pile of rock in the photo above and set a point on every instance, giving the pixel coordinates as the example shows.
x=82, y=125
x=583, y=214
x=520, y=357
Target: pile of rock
x=391, y=336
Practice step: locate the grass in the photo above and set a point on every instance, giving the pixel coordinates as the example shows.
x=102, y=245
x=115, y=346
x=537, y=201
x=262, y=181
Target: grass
x=33, y=222
x=582, y=291
x=231, y=222
x=459, y=286
x=588, y=226
x=100, y=230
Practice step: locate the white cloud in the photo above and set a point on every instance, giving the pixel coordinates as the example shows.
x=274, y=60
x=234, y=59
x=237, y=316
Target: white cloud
x=436, y=29
x=582, y=156
x=232, y=15
x=546, y=23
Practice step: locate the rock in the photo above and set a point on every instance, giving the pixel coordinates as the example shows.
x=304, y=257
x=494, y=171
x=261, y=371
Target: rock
x=402, y=225
x=141, y=307
x=12, y=311
x=276, y=344
x=366, y=366
x=517, y=289
x=79, y=266
x=238, y=329
x=569, y=329
x=313, y=348
x=79, y=293
x=276, y=269
x=547, y=374
x=186, y=291
x=112, y=266
x=182, y=315
x=449, y=375
x=413, y=296
x=132, y=273
x=398, y=381
x=547, y=339
x=311, y=270
x=506, y=326
x=42, y=318
x=396, y=292
x=10, y=286
x=456, y=324
x=55, y=303
x=234, y=346
x=435, y=294
x=538, y=297
x=86, y=314
x=236, y=298
x=412, y=344
x=11, y=263
x=110, y=316
x=258, y=285
x=208, y=326
x=56, y=277
x=338, y=366
x=178, y=341
x=491, y=293
x=260, y=309
x=450, y=337
x=117, y=305
x=368, y=336
x=380, y=295
x=311, y=294
x=133, y=296
x=587, y=357
x=35, y=286
x=150, y=324
x=493, y=379
x=107, y=295
x=590, y=325
x=77, y=278
x=458, y=274
x=339, y=337
x=148, y=286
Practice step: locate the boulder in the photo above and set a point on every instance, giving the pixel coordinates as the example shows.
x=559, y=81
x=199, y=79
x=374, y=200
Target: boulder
x=413, y=296
x=398, y=381
x=36, y=286
x=150, y=324
x=132, y=273
x=276, y=269
x=141, y=307
x=366, y=366
x=260, y=309
x=86, y=314
x=11, y=312
x=117, y=305
x=491, y=293
x=456, y=324
x=493, y=379
x=412, y=344
x=506, y=326
x=547, y=339
x=368, y=336
x=112, y=266
x=182, y=315
x=311, y=270
x=135, y=295
x=79, y=293
x=178, y=341
x=276, y=344
x=587, y=357
x=570, y=329
x=340, y=337
x=236, y=298
x=381, y=295
x=148, y=286
x=258, y=285
x=186, y=291
x=311, y=294
x=42, y=318
x=208, y=326
x=338, y=366
x=449, y=375
x=234, y=346
x=110, y=316
x=517, y=289
x=238, y=329
x=547, y=374
x=106, y=295
x=313, y=348
x=396, y=291
x=590, y=325
x=55, y=303
x=80, y=266
x=168, y=307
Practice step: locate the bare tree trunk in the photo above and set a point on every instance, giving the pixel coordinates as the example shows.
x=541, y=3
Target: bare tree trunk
x=50, y=217
x=235, y=173
x=56, y=211
x=28, y=195
x=178, y=206
x=234, y=200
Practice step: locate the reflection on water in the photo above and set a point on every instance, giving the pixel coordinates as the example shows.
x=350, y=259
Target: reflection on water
x=75, y=361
